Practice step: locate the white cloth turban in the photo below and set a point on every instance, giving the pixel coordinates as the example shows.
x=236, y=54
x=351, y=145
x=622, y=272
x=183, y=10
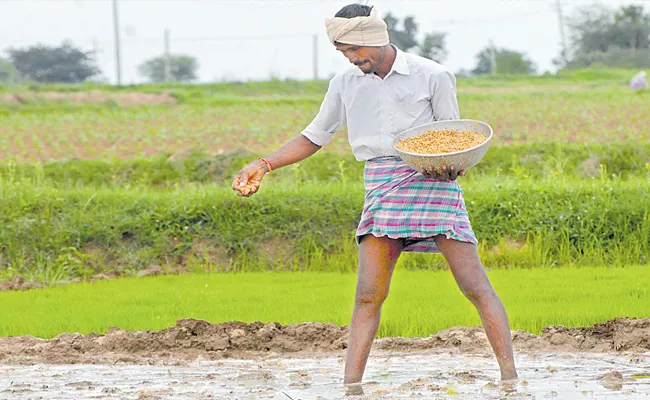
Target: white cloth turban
x=359, y=31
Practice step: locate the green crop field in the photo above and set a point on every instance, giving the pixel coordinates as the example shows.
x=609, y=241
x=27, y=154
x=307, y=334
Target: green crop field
x=219, y=125
x=420, y=302
x=119, y=186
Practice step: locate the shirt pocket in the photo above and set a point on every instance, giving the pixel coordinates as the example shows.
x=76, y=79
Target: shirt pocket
x=410, y=102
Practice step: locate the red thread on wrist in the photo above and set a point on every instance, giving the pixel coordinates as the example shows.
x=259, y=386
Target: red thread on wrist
x=267, y=162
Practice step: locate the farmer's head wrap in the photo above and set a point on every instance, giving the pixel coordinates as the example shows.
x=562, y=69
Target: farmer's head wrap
x=358, y=31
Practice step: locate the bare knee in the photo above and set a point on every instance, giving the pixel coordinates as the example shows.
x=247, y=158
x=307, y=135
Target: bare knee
x=370, y=296
x=477, y=291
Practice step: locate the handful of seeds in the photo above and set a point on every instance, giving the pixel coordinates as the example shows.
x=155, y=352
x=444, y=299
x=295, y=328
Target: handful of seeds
x=441, y=141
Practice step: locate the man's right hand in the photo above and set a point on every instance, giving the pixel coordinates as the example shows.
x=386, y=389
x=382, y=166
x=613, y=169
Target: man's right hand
x=248, y=179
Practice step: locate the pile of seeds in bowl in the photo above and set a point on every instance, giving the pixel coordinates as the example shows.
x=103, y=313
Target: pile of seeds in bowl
x=441, y=141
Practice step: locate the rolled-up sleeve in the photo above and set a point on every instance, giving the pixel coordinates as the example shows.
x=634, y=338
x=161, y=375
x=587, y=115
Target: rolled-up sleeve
x=330, y=117
x=443, y=97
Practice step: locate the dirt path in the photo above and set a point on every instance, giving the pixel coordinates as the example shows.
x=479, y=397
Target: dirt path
x=198, y=360
x=124, y=99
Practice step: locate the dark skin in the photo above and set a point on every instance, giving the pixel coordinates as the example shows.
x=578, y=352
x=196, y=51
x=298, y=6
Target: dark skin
x=378, y=255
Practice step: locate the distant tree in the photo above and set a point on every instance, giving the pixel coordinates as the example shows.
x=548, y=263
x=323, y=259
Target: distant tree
x=434, y=47
x=507, y=62
x=182, y=68
x=631, y=29
x=463, y=72
x=589, y=28
x=48, y=64
x=611, y=37
x=614, y=57
x=402, y=38
x=7, y=71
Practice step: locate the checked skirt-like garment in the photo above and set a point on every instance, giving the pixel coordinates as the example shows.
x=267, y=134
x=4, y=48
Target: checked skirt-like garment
x=403, y=204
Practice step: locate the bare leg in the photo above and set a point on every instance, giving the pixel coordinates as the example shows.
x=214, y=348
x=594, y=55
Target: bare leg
x=472, y=280
x=377, y=259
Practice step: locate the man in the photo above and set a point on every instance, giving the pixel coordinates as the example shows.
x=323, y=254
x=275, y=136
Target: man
x=638, y=81
x=385, y=92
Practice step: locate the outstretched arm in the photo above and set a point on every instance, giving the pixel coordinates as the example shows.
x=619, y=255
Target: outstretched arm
x=248, y=179
x=317, y=134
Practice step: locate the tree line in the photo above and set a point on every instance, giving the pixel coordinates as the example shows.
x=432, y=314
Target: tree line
x=598, y=35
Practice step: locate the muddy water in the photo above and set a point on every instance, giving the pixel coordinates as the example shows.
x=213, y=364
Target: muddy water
x=195, y=359
x=427, y=374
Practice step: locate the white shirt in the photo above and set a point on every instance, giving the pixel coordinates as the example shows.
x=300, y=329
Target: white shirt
x=416, y=91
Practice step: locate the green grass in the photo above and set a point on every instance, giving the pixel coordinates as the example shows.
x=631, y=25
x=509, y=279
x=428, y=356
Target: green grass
x=420, y=302
x=620, y=160
x=51, y=233
x=87, y=189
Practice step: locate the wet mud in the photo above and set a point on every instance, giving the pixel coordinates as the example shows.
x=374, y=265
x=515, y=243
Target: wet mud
x=195, y=359
x=429, y=374
x=190, y=339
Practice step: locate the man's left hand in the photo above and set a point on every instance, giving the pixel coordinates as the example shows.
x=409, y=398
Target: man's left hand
x=446, y=174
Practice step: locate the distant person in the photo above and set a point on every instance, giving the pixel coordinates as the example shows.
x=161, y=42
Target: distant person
x=638, y=81
x=385, y=92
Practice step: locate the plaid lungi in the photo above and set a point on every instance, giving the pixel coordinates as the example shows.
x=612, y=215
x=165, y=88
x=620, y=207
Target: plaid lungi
x=403, y=204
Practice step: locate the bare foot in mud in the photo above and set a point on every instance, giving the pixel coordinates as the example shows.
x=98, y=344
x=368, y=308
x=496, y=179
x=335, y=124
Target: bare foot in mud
x=509, y=385
x=353, y=389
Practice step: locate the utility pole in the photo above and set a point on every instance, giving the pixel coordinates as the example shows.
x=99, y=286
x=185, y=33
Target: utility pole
x=315, y=55
x=558, y=5
x=167, y=57
x=116, y=28
x=493, y=58
x=95, y=48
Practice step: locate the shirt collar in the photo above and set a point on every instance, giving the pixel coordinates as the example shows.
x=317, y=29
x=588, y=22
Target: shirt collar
x=400, y=65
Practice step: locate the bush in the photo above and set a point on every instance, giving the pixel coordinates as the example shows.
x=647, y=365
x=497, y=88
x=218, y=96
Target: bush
x=51, y=233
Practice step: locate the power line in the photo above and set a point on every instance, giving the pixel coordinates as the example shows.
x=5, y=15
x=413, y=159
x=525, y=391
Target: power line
x=222, y=38
x=226, y=38
x=496, y=19
x=310, y=34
